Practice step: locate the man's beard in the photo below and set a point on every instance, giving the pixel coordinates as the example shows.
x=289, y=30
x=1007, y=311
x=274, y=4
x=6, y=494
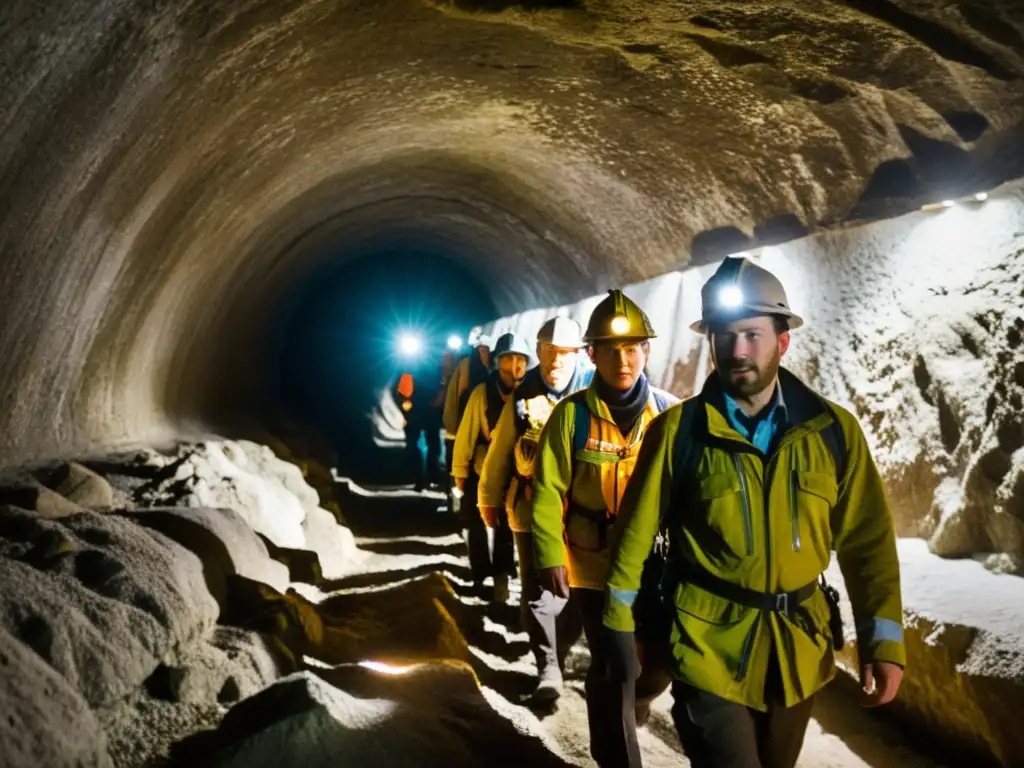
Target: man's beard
x=750, y=385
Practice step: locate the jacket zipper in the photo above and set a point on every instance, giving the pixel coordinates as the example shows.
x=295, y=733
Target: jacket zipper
x=796, y=510
x=748, y=523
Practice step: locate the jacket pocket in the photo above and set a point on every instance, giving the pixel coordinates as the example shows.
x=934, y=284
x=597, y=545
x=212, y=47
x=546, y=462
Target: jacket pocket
x=812, y=496
x=726, y=501
x=713, y=635
x=583, y=530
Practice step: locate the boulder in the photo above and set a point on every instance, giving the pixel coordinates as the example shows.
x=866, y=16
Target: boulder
x=303, y=564
x=290, y=618
x=43, y=720
x=410, y=622
x=221, y=539
x=101, y=600
x=334, y=544
x=432, y=714
x=413, y=621
x=268, y=493
x=29, y=494
x=78, y=484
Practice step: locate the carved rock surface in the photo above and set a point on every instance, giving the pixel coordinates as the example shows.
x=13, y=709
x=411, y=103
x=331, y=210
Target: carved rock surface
x=173, y=169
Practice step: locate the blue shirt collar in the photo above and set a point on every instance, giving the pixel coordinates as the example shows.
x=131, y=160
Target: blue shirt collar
x=761, y=432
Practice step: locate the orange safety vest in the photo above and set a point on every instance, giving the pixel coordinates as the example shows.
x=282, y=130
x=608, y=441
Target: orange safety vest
x=405, y=385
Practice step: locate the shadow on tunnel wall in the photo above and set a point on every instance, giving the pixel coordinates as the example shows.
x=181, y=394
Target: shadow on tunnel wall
x=334, y=348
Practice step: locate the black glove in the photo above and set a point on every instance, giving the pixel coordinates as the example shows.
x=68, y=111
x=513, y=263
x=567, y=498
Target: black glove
x=616, y=657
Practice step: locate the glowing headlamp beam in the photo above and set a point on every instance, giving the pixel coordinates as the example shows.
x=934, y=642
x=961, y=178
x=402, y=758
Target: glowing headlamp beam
x=620, y=325
x=410, y=344
x=454, y=343
x=730, y=296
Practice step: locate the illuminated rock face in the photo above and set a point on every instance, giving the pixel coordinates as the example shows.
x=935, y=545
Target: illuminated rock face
x=915, y=324
x=169, y=168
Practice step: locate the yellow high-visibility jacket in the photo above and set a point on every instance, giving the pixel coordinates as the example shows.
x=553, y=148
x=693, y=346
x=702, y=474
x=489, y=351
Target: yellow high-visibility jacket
x=576, y=497
x=474, y=435
x=764, y=523
x=509, y=467
x=468, y=374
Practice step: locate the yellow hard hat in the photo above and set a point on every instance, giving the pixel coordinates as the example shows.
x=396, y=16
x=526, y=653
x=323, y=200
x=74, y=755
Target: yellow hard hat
x=618, y=317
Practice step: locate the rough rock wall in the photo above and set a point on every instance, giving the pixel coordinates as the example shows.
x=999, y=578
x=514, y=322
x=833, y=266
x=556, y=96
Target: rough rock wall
x=917, y=325
x=167, y=168
x=127, y=612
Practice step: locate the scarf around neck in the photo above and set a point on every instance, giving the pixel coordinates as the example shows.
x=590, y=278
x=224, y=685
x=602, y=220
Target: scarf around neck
x=625, y=407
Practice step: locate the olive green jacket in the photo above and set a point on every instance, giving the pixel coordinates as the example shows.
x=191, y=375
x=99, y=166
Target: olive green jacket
x=767, y=523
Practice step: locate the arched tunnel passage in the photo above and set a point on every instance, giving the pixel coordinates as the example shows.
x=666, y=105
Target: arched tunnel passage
x=334, y=347
x=521, y=234
x=189, y=189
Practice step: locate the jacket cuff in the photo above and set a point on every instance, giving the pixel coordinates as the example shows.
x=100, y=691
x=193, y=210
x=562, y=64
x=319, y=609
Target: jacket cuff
x=886, y=650
x=547, y=555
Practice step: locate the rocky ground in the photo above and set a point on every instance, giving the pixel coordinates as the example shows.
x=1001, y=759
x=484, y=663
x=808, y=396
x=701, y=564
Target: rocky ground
x=248, y=629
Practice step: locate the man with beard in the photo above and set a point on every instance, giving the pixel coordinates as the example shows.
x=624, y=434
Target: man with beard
x=483, y=409
x=754, y=482
x=586, y=455
x=505, y=486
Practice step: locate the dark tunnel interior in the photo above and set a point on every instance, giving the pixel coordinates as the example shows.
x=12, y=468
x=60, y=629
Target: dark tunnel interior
x=334, y=344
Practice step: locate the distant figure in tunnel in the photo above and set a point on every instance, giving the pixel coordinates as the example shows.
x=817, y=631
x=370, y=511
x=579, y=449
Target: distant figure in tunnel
x=505, y=488
x=449, y=364
x=586, y=455
x=470, y=372
x=417, y=394
x=484, y=407
x=749, y=486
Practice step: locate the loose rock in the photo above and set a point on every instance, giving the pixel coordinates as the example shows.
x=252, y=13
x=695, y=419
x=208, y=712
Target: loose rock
x=430, y=715
x=221, y=539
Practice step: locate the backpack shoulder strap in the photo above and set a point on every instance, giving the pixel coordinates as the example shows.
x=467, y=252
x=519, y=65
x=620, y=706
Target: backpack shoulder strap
x=835, y=441
x=688, y=447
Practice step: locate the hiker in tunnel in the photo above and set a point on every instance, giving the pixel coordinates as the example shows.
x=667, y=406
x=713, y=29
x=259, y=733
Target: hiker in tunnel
x=493, y=559
x=587, y=452
x=471, y=371
x=416, y=394
x=505, y=488
x=751, y=485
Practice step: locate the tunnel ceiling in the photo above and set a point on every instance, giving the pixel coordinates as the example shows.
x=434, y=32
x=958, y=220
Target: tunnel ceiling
x=167, y=169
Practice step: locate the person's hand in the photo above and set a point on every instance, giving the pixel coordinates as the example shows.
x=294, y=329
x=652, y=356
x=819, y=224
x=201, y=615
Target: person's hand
x=490, y=516
x=460, y=483
x=881, y=682
x=555, y=580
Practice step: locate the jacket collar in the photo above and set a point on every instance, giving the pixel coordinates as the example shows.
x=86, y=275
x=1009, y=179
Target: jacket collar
x=802, y=403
